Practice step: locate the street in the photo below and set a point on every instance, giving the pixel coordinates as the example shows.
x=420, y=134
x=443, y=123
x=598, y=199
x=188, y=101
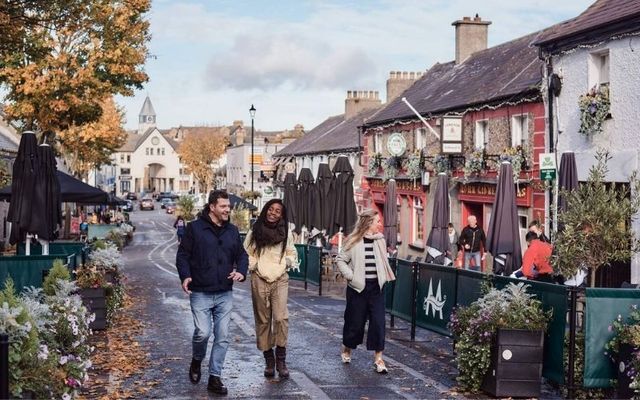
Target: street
x=417, y=370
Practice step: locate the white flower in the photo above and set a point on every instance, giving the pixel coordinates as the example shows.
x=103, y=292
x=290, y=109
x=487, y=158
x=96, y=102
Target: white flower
x=66, y=396
x=43, y=354
x=75, y=344
x=63, y=360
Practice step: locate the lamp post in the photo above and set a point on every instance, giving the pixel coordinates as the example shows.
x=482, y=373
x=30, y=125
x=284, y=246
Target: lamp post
x=252, y=112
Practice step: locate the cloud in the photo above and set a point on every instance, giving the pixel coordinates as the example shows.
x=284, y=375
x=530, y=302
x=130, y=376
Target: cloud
x=277, y=60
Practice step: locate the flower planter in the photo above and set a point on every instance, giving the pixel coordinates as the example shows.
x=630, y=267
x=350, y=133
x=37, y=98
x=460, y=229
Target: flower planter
x=623, y=363
x=516, y=364
x=96, y=302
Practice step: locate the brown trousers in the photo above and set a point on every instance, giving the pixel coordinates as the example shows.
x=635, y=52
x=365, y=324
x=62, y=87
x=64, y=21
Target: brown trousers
x=270, y=311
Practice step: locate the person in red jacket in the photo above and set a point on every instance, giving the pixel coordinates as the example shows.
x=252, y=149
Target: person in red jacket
x=536, y=263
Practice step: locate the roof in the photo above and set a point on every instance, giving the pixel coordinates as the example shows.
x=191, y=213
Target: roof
x=147, y=108
x=610, y=16
x=134, y=140
x=334, y=134
x=507, y=71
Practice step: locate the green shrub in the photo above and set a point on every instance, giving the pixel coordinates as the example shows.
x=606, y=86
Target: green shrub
x=57, y=272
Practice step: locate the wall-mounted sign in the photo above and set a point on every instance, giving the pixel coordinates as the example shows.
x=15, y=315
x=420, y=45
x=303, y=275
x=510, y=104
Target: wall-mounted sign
x=268, y=190
x=125, y=177
x=451, y=137
x=396, y=144
x=547, y=166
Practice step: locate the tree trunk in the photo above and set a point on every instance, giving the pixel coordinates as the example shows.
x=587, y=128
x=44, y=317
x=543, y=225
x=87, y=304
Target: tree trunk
x=593, y=277
x=67, y=221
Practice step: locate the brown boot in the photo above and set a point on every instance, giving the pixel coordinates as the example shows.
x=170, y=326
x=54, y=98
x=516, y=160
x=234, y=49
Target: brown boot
x=281, y=365
x=270, y=360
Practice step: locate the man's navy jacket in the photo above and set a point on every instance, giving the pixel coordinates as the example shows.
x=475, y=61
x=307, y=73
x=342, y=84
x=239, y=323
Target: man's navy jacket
x=209, y=253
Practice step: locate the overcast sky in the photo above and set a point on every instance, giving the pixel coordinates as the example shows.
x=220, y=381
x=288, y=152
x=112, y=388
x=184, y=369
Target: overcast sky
x=295, y=59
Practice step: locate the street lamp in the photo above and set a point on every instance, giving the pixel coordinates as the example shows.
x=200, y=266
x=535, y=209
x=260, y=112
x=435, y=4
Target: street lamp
x=252, y=112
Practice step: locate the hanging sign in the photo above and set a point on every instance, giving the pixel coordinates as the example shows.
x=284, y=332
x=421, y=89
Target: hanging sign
x=451, y=138
x=547, y=166
x=396, y=144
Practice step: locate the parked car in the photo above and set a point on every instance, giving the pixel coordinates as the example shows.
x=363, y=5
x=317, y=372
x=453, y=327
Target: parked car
x=170, y=207
x=128, y=207
x=146, y=204
x=164, y=202
x=132, y=196
x=167, y=195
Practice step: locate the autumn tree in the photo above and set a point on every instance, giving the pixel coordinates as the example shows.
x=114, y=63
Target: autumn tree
x=198, y=151
x=90, y=145
x=75, y=54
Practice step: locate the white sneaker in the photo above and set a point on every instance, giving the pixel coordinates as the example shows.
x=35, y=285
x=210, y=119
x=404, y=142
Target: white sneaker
x=380, y=367
x=345, y=354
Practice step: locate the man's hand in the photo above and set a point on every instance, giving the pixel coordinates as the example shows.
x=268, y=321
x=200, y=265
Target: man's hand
x=466, y=246
x=185, y=285
x=236, y=276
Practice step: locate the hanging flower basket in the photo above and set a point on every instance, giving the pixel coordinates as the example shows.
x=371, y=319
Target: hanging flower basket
x=473, y=164
x=391, y=166
x=441, y=164
x=375, y=163
x=412, y=166
x=594, y=109
x=517, y=156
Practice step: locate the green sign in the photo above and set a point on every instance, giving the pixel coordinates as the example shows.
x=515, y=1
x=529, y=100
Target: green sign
x=547, y=174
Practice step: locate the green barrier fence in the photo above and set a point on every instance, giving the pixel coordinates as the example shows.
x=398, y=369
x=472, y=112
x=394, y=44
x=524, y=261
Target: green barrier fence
x=300, y=273
x=436, y=297
x=468, y=286
x=390, y=287
x=79, y=248
x=30, y=270
x=403, y=299
x=603, y=307
x=314, y=264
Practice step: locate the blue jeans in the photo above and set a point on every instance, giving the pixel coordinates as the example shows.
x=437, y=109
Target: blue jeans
x=468, y=255
x=206, y=307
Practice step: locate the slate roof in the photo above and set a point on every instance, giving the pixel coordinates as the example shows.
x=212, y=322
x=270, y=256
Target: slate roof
x=504, y=72
x=134, y=140
x=147, y=107
x=335, y=134
x=613, y=16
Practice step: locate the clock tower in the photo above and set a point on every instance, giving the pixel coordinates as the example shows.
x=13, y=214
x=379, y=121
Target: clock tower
x=147, y=117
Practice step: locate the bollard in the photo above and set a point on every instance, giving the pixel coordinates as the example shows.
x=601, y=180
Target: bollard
x=4, y=366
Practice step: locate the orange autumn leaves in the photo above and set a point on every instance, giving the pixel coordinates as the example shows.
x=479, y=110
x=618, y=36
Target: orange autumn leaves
x=198, y=152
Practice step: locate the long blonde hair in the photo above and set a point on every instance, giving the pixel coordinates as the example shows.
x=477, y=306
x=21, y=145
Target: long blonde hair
x=365, y=220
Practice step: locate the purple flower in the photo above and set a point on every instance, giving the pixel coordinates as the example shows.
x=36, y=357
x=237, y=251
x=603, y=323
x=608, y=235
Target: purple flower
x=592, y=109
x=610, y=328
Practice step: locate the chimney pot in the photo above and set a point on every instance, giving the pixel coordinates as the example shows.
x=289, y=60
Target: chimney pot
x=471, y=36
x=466, y=18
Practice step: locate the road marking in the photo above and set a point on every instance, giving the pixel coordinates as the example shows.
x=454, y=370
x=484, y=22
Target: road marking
x=308, y=386
x=314, y=325
x=418, y=375
x=305, y=308
x=242, y=324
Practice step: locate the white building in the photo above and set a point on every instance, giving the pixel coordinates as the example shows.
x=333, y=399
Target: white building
x=238, y=158
x=600, y=48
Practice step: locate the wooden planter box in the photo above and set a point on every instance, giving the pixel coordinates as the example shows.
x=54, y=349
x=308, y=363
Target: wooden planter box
x=96, y=302
x=623, y=362
x=516, y=364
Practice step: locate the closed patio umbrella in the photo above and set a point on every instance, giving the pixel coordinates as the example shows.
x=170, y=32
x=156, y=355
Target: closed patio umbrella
x=323, y=206
x=391, y=215
x=305, y=198
x=25, y=168
x=438, y=241
x=345, y=214
x=47, y=212
x=503, y=236
x=290, y=198
x=567, y=179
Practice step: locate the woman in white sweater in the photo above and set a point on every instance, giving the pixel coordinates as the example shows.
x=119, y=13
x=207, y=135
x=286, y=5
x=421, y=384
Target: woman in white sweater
x=271, y=251
x=364, y=264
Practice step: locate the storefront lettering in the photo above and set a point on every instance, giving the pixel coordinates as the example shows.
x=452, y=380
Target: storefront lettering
x=488, y=190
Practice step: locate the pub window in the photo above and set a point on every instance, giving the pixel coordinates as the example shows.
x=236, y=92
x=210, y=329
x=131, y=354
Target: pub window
x=480, y=135
x=377, y=142
x=599, y=69
x=418, y=222
x=420, y=138
x=519, y=129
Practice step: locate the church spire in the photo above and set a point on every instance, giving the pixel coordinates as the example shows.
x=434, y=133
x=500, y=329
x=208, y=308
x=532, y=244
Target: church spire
x=147, y=117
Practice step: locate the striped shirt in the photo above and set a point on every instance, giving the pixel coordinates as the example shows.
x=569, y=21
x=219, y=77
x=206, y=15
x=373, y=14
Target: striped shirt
x=369, y=260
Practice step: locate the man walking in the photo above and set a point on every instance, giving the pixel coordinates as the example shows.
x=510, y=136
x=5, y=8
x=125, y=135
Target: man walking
x=472, y=239
x=208, y=253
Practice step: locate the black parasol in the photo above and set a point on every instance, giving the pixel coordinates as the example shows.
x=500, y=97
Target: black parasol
x=72, y=190
x=323, y=207
x=25, y=168
x=290, y=198
x=567, y=179
x=305, y=199
x=503, y=238
x=345, y=214
x=47, y=212
x=438, y=241
x=391, y=215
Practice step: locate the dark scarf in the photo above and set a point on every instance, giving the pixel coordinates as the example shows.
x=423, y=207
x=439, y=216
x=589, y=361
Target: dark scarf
x=267, y=235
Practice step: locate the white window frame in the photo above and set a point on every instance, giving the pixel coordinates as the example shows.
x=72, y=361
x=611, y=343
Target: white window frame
x=519, y=129
x=599, y=68
x=377, y=142
x=480, y=134
x=417, y=211
x=420, y=138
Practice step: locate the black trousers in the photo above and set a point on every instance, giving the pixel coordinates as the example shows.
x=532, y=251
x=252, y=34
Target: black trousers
x=363, y=306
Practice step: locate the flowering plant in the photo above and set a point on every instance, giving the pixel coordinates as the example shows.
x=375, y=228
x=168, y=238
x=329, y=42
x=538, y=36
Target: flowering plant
x=441, y=163
x=517, y=156
x=375, y=162
x=391, y=167
x=627, y=332
x=594, y=109
x=412, y=166
x=107, y=258
x=473, y=164
x=476, y=326
x=90, y=277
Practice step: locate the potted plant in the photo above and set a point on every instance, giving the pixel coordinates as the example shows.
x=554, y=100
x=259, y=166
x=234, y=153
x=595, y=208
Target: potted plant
x=92, y=289
x=499, y=342
x=473, y=164
x=517, y=156
x=375, y=163
x=623, y=349
x=441, y=164
x=412, y=166
x=594, y=109
x=391, y=167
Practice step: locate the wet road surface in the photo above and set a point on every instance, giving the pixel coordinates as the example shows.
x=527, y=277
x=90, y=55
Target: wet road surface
x=420, y=370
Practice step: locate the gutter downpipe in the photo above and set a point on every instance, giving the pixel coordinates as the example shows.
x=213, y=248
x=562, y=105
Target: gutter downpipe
x=551, y=148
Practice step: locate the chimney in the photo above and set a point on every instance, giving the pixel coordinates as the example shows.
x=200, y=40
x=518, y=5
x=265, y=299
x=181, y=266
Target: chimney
x=471, y=36
x=399, y=81
x=240, y=134
x=238, y=123
x=358, y=101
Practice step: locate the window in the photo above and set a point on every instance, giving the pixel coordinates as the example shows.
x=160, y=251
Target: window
x=128, y=158
x=418, y=222
x=377, y=142
x=163, y=151
x=125, y=171
x=480, y=136
x=121, y=158
x=519, y=129
x=420, y=138
x=147, y=150
x=599, y=69
x=151, y=151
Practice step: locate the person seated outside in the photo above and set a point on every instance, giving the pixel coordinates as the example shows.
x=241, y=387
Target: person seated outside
x=536, y=227
x=535, y=263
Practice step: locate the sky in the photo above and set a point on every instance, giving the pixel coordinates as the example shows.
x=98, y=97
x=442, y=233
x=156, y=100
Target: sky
x=294, y=60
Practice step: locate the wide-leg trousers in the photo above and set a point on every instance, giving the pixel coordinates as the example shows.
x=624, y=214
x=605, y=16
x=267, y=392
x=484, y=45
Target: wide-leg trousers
x=270, y=311
x=363, y=306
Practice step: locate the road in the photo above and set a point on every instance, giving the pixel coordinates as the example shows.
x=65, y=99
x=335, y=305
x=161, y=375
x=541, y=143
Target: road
x=420, y=370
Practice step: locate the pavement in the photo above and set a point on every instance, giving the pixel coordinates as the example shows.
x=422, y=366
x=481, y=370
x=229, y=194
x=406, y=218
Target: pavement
x=422, y=369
